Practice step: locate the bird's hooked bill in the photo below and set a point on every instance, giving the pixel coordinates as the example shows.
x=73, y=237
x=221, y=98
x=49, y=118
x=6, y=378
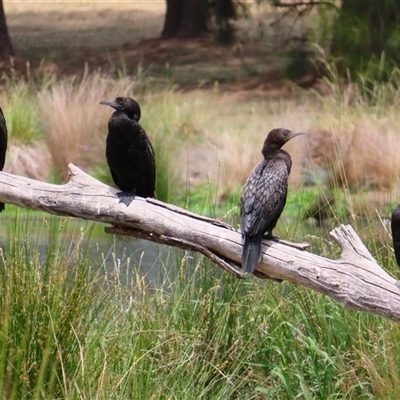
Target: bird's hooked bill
x=293, y=134
x=112, y=104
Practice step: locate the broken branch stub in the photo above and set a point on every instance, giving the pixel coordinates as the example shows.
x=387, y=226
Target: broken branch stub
x=355, y=280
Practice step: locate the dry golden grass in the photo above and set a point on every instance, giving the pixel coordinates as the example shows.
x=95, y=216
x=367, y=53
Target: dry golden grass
x=32, y=160
x=360, y=155
x=210, y=135
x=217, y=138
x=236, y=129
x=74, y=123
x=356, y=141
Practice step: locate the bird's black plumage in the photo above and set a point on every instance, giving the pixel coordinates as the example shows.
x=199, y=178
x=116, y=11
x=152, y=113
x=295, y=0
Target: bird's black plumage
x=264, y=196
x=395, y=225
x=129, y=152
x=3, y=145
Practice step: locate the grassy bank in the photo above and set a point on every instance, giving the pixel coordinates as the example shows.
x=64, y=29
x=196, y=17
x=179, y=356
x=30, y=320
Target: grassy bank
x=73, y=326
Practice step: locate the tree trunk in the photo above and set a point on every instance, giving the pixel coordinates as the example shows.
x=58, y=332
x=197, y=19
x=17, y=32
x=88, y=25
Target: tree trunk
x=173, y=19
x=185, y=18
x=355, y=280
x=194, y=21
x=6, y=48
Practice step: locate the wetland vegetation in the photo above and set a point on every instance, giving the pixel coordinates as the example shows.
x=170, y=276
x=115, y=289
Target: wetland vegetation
x=86, y=316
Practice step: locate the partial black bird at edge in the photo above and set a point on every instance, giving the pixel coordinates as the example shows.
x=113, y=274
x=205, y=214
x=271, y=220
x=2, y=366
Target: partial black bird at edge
x=130, y=155
x=3, y=145
x=395, y=226
x=264, y=196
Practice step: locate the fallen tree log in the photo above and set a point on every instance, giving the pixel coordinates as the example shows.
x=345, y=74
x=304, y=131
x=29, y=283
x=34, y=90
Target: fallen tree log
x=355, y=280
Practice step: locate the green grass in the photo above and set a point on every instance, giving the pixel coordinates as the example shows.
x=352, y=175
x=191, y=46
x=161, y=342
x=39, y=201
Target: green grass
x=81, y=324
x=23, y=122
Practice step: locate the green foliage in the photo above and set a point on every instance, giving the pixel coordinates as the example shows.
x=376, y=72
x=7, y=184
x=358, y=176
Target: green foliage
x=297, y=61
x=366, y=38
x=224, y=11
x=170, y=127
x=380, y=95
x=23, y=122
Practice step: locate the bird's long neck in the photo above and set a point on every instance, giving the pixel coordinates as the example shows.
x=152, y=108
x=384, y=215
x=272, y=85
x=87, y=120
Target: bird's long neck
x=122, y=115
x=270, y=150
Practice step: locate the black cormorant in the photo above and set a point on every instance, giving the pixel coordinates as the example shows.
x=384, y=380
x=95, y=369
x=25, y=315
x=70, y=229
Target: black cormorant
x=129, y=152
x=264, y=196
x=3, y=145
x=395, y=225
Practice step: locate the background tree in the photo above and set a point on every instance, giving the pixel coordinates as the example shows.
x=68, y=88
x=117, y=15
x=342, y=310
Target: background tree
x=6, y=48
x=366, y=36
x=192, y=18
x=185, y=18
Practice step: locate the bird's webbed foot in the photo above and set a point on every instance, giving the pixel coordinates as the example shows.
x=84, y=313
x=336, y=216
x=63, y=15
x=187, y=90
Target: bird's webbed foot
x=260, y=275
x=126, y=197
x=300, y=246
x=270, y=236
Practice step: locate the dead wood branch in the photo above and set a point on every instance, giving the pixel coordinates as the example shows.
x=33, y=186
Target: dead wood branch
x=355, y=280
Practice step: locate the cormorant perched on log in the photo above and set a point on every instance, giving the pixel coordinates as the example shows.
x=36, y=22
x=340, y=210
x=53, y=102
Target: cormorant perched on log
x=3, y=145
x=129, y=152
x=395, y=225
x=264, y=196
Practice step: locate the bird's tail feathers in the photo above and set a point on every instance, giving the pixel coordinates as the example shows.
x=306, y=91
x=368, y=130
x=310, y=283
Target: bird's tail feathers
x=251, y=255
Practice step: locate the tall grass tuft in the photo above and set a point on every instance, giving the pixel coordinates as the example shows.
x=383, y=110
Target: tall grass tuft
x=170, y=125
x=27, y=155
x=75, y=126
x=74, y=123
x=44, y=292
x=19, y=108
x=351, y=144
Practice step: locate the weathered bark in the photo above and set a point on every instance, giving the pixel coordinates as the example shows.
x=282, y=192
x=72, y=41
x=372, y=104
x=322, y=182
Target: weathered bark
x=6, y=48
x=185, y=18
x=355, y=280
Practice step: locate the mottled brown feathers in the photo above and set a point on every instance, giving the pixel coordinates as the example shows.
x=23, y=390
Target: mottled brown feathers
x=264, y=196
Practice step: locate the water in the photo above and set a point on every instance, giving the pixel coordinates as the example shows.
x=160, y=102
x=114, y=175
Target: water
x=38, y=234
